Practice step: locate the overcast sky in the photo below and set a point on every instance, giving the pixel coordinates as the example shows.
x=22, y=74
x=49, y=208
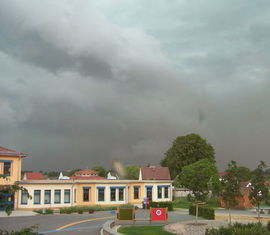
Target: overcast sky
x=83, y=83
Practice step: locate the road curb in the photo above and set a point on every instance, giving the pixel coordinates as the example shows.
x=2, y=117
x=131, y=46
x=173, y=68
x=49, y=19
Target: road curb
x=107, y=228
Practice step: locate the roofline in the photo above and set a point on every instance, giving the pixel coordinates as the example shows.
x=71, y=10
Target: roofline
x=13, y=155
x=90, y=181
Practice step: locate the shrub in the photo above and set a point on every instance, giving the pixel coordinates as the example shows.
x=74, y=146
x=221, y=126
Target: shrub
x=203, y=211
x=44, y=212
x=24, y=231
x=240, y=229
x=168, y=205
x=75, y=209
x=268, y=225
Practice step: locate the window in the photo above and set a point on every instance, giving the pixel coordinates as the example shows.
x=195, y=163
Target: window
x=36, y=196
x=7, y=168
x=159, y=192
x=121, y=194
x=24, y=198
x=166, y=192
x=67, y=196
x=47, y=197
x=113, y=194
x=57, y=196
x=86, y=194
x=149, y=192
x=75, y=195
x=136, y=192
x=101, y=194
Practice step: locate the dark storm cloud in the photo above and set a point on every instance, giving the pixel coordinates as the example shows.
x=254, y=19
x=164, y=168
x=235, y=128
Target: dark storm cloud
x=86, y=83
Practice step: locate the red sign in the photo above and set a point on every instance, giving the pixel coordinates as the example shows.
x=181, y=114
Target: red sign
x=159, y=214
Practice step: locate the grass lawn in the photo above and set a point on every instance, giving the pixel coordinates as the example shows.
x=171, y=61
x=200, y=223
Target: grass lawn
x=143, y=230
x=184, y=203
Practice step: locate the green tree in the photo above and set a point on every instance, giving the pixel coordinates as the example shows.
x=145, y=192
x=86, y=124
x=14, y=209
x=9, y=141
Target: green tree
x=132, y=172
x=52, y=174
x=100, y=170
x=244, y=173
x=186, y=150
x=72, y=172
x=10, y=189
x=258, y=190
x=200, y=177
x=230, y=187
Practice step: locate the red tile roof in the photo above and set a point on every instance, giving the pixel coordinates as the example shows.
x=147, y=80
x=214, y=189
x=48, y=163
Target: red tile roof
x=11, y=153
x=33, y=176
x=155, y=173
x=244, y=184
x=87, y=178
x=221, y=174
x=86, y=172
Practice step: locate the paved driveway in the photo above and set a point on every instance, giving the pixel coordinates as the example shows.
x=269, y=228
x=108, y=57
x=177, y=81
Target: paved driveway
x=50, y=223
x=70, y=224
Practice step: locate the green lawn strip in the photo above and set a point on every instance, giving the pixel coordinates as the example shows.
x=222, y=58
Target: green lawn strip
x=184, y=203
x=143, y=230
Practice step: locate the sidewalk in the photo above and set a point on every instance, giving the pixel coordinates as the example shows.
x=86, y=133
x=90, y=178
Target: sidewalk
x=18, y=213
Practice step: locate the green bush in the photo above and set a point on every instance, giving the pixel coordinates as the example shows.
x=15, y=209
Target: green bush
x=75, y=209
x=268, y=225
x=239, y=229
x=24, y=231
x=203, y=211
x=168, y=205
x=44, y=212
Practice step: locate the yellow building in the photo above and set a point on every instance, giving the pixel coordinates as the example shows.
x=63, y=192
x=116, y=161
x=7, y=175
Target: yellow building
x=86, y=188
x=10, y=171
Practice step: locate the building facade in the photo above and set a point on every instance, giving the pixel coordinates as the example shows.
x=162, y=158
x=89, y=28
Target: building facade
x=85, y=188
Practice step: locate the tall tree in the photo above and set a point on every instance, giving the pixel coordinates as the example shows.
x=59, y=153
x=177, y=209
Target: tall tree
x=100, y=170
x=259, y=191
x=132, y=172
x=186, y=150
x=200, y=177
x=72, y=172
x=230, y=191
x=244, y=173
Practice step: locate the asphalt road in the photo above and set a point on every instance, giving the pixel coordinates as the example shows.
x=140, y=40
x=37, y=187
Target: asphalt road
x=48, y=224
x=70, y=224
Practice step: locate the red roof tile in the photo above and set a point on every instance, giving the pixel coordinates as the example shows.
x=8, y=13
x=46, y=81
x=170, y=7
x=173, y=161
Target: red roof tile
x=11, y=153
x=86, y=172
x=155, y=173
x=221, y=174
x=33, y=176
x=87, y=178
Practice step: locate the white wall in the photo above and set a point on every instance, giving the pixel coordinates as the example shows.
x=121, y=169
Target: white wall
x=52, y=187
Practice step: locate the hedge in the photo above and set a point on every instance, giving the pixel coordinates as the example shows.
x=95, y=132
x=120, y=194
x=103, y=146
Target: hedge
x=75, y=209
x=44, y=212
x=168, y=205
x=204, y=212
x=240, y=229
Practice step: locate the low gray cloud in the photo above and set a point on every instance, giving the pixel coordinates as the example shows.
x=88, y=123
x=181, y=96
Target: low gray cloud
x=87, y=83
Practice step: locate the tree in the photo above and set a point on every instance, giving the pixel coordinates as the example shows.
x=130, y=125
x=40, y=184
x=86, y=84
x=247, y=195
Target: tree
x=132, y=172
x=199, y=177
x=230, y=187
x=100, y=170
x=187, y=150
x=10, y=189
x=244, y=173
x=72, y=172
x=52, y=174
x=258, y=189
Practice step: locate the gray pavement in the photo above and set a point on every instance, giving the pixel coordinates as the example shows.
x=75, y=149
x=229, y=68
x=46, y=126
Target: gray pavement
x=49, y=223
x=17, y=213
